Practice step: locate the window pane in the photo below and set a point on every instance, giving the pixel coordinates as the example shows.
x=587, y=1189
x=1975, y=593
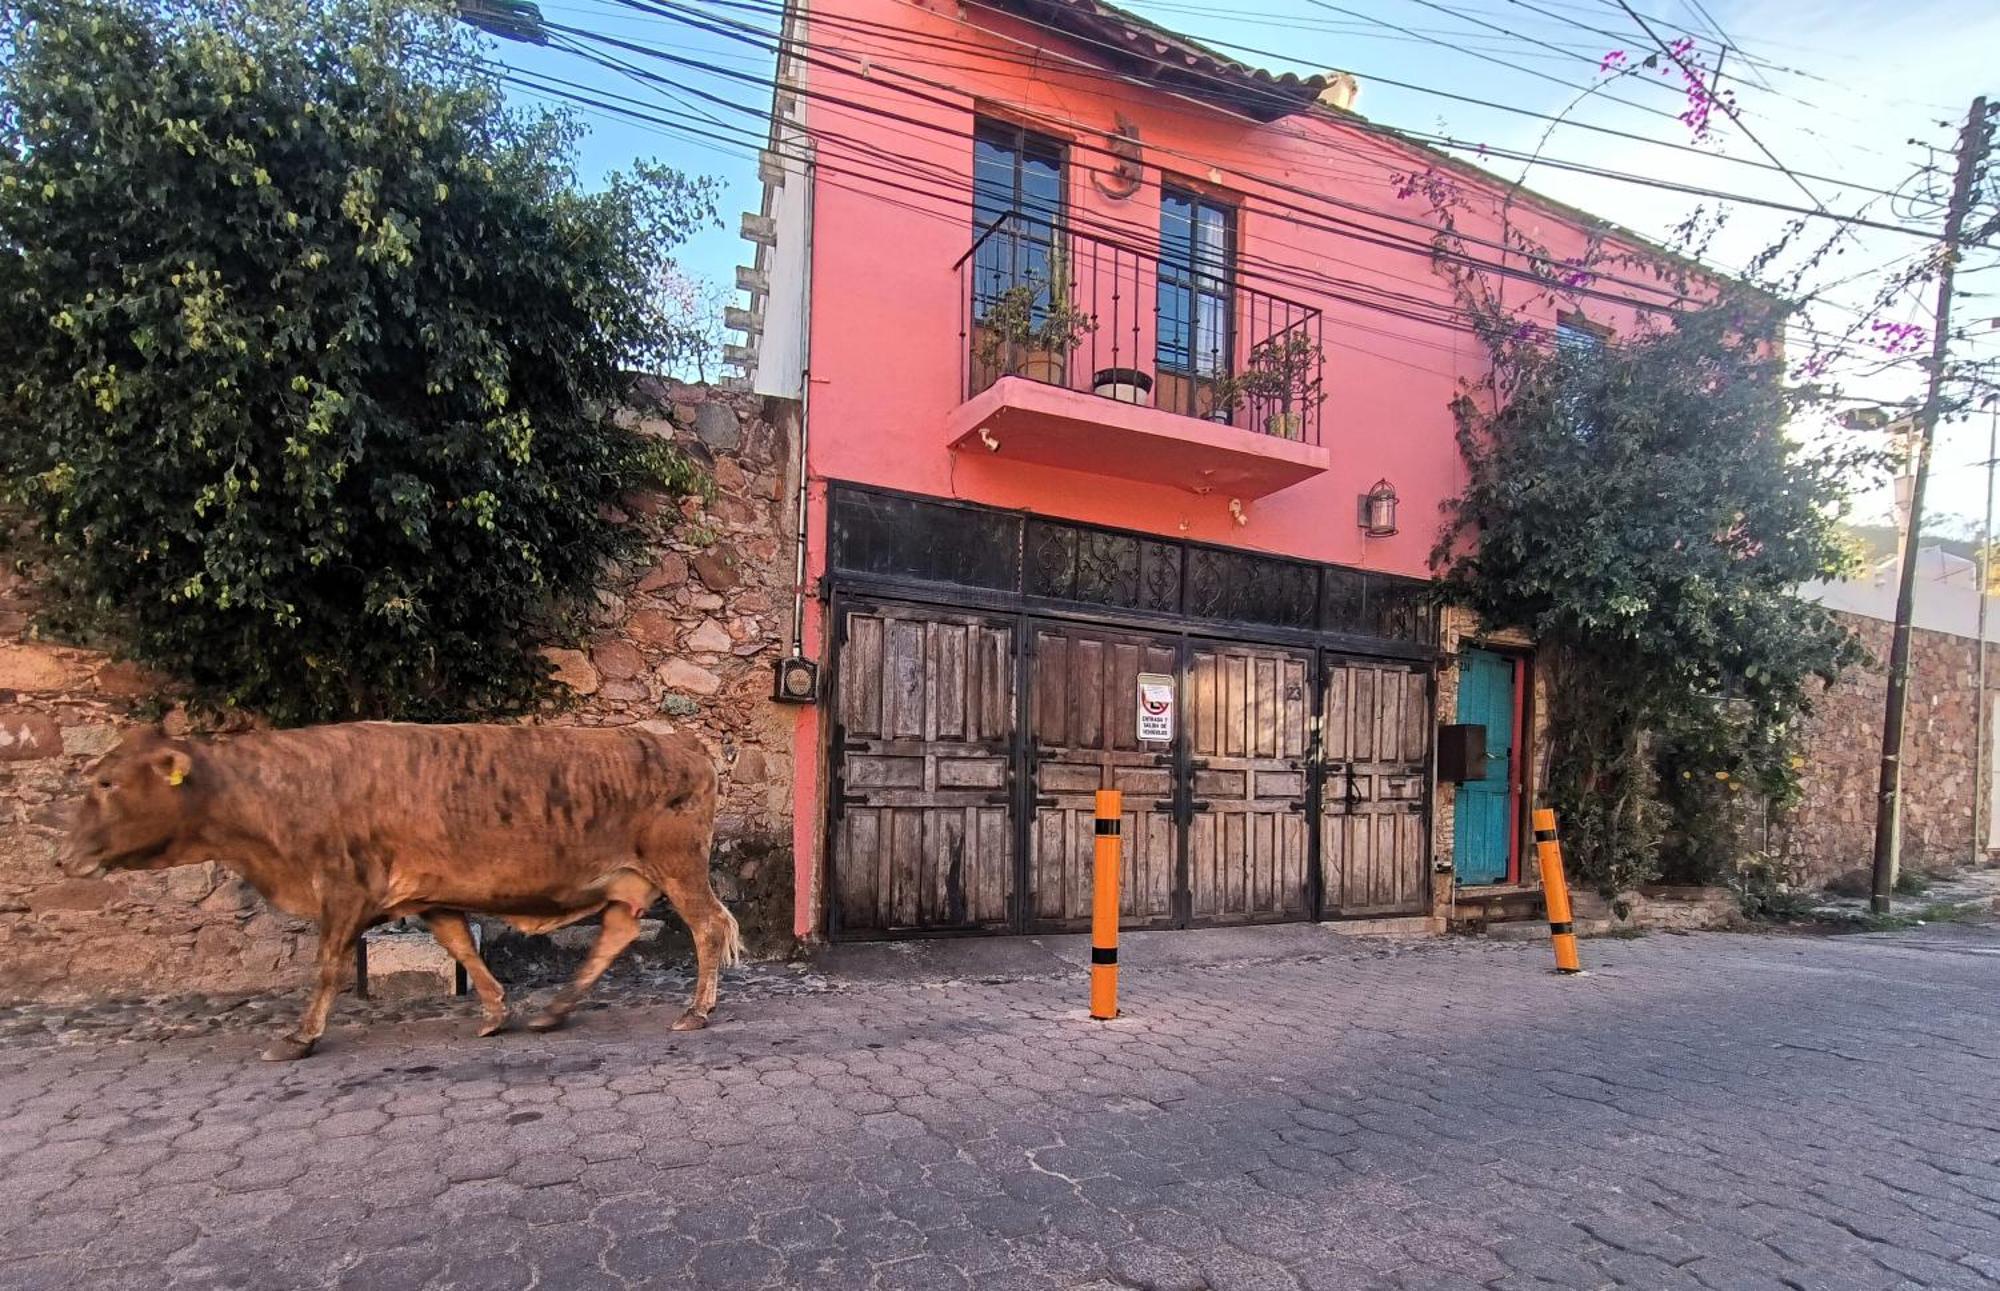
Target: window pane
x=992, y=180
x=1211, y=335
x=1176, y=333
x=1194, y=323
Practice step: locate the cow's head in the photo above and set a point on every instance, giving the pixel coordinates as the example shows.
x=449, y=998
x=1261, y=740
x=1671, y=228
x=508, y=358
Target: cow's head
x=136, y=799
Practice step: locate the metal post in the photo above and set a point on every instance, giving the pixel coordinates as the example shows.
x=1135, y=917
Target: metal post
x=1104, y=906
x=1555, y=892
x=1889, y=792
x=1979, y=786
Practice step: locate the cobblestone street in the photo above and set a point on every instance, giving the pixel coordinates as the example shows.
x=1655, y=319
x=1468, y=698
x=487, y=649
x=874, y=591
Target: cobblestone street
x=1277, y=1109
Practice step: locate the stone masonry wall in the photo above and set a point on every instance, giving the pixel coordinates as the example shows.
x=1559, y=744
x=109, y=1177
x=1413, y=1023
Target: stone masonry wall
x=685, y=638
x=1831, y=832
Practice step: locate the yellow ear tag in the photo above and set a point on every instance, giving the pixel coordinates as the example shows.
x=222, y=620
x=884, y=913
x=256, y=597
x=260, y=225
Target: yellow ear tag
x=175, y=777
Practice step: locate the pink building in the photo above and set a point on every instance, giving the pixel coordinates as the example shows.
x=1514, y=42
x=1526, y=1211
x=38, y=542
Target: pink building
x=1127, y=372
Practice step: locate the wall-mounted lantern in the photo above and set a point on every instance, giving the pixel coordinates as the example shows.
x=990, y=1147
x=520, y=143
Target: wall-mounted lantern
x=1378, y=510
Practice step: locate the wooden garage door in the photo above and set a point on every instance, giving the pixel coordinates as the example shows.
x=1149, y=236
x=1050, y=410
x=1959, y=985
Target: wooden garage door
x=1083, y=694
x=1247, y=715
x=1375, y=752
x=922, y=834
x=1083, y=728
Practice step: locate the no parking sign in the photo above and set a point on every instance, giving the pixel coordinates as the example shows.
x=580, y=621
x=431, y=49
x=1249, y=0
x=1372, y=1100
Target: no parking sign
x=1156, y=706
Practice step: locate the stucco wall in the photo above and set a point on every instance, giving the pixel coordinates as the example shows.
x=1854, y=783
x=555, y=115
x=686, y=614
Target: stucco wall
x=685, y=636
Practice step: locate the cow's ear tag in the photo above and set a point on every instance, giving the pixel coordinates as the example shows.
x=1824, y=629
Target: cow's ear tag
x=175, y=776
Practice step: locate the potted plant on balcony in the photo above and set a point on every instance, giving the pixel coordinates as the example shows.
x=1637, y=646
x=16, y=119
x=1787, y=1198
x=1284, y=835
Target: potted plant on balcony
x=1283, y=378
x=1030, y=328
x=1126, y=385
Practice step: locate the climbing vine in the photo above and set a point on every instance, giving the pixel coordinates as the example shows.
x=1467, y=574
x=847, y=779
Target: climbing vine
x=1636, y=505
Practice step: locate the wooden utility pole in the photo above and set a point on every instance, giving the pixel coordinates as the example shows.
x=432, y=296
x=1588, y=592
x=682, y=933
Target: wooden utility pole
x=1972, y=143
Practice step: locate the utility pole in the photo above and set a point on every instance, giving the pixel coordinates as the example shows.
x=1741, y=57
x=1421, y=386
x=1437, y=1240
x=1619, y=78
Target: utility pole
x=1980, y=789
x=1979, y=771
x=1972, y=143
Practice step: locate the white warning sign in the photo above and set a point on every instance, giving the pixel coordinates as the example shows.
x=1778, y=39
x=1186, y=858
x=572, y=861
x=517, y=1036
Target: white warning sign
x=1156, y=706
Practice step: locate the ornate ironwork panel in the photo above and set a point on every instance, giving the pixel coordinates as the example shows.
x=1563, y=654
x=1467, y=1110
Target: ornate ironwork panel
x=900, y=537
x=1107, y=569
x=1050, y=560
x=1245, y=588
x=1160, y=577
x=1400, y=610
x=1343, y=605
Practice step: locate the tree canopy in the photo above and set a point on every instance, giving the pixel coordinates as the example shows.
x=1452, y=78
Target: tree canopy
x=1638, y=508
x=310, y=349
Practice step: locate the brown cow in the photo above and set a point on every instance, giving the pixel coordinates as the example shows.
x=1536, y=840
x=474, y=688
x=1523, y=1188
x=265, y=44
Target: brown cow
x=357, y=824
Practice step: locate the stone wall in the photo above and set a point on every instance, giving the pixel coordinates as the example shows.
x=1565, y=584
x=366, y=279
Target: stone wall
x=1831, y=832
x=685, y=638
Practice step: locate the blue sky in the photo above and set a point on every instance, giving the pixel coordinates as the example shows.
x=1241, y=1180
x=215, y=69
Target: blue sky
x=1836, y=89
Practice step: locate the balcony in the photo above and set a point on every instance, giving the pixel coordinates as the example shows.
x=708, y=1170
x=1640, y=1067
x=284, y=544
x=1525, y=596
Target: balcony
x=1091, y=354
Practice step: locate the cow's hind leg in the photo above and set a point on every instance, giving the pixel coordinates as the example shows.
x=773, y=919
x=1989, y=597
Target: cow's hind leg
x=619, y=928
x=337, y=933
x=450, y=929
x=716, y=943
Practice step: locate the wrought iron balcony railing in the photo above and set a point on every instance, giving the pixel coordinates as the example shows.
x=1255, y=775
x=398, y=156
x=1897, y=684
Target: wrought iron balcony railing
x=1180, y=333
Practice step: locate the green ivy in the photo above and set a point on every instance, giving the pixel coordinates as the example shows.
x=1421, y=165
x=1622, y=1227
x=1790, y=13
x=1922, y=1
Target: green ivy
x=1643, y=513
x=309, y=349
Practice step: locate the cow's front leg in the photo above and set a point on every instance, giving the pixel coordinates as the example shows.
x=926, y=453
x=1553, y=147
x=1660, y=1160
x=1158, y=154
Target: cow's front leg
x=619, y=929
x=450, y=929
x=336, y=949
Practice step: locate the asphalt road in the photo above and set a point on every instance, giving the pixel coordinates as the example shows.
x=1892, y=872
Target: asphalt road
x=1276, y=1109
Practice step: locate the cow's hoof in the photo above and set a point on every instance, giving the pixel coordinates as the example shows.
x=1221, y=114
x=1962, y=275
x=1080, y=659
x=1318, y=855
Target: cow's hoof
x=288, y=1049
x=495, y=1025
x=549, y=1021
x=690, y=1021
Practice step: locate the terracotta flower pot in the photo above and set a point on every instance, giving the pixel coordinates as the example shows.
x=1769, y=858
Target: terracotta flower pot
x=1041, y=365
x=1286, y=425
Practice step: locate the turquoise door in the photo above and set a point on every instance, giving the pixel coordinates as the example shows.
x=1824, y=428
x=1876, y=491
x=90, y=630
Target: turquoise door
x=1483, y=811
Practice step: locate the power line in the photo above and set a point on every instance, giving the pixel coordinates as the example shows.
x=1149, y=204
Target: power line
x=1424, y=248
x=1289, y=271
x=1254, y=96
x=1427, y=313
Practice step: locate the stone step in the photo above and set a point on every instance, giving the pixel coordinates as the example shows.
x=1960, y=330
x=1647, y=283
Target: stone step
x=1496, y=905
x=1415, y=925
x=1538, y=930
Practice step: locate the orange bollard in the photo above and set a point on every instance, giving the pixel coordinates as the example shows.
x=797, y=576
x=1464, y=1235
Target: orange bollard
x=1555, y=891
x=1104, y=906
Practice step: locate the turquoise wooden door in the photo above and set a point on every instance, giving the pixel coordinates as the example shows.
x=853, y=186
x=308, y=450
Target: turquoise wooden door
x=1483, y=812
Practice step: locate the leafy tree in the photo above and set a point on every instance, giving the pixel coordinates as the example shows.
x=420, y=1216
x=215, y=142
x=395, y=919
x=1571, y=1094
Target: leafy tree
x=1639, y=509
x=309, y=349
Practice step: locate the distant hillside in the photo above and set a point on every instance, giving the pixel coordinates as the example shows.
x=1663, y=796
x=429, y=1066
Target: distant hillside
x=1878, y=542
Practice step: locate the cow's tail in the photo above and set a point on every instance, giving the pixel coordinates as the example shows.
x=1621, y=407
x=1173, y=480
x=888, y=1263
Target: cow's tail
x=732, y=944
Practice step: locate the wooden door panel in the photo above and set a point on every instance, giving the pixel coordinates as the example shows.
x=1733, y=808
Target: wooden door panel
x=1247, y=727
x=923, y=836
x=1484, y=811
x=1083, y=694
x=1375, y=755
